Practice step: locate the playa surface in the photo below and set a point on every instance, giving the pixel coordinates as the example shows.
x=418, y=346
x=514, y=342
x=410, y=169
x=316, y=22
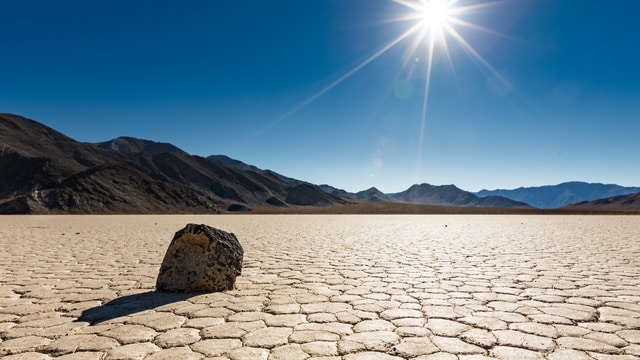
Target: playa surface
x=327, y=287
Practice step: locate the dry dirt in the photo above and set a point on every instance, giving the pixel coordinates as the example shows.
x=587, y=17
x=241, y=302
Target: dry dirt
x=350, y=287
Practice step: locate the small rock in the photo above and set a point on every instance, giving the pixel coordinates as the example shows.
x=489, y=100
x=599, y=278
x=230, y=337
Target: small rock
x=201, y=258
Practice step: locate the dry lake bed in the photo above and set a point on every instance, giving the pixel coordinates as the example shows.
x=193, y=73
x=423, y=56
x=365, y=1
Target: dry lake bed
x=327, y=287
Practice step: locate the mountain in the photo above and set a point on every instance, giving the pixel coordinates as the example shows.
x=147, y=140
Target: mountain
x=237, y=164
x=451, y=195
x=555, y=196
x=624, y=203
x=337, y=192
x=44, y=171
x=233, y=163
x=132, y=145
x=371, y=194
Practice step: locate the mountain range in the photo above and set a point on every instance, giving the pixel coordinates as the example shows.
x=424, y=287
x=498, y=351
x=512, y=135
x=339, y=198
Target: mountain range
x=43, y=171
x=556, y=196
x=444, y=195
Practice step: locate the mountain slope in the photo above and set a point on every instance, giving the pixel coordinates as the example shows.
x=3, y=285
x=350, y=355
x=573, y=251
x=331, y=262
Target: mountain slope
x=33, y=156
x=237, y=164
x=132, y=145
x=45, y=171
x=623, y=203
x=233, y=163
x=371, y=194
x=451, y=195
x=555, y=196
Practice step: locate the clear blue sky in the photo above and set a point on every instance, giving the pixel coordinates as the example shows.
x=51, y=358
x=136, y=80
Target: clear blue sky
x=228, y=77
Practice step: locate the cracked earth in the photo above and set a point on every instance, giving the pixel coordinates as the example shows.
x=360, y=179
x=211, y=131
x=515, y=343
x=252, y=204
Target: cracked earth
x=327, y=287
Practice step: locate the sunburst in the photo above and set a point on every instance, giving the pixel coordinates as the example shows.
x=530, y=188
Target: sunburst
x=431, y=25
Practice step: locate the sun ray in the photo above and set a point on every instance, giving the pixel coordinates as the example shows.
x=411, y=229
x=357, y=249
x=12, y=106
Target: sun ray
x=348, y=74
x=470, y=49
x=409, y=4
x=425, y=102
x=439, y=19
x=433, y=22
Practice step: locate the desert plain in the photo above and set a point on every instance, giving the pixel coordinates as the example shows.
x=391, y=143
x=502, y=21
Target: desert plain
x=459, y=287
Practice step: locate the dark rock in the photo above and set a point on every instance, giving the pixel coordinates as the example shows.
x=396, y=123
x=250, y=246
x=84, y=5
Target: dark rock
x=201, y=258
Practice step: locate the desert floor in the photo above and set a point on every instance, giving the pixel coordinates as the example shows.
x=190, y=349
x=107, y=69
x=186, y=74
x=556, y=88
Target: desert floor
x=327, y=287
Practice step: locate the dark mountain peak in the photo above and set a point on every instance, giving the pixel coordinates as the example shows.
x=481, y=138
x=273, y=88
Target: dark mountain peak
x=28, y=137
x=34, y=156
x=435, y=195
x=430, y=186
x=425, y=187
x=128, y=144
x=371, y=190
x=373, y=194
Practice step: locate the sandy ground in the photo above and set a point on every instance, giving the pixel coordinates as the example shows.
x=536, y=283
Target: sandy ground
x=327, y=287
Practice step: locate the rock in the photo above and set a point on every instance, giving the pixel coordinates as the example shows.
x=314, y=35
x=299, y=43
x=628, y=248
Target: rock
x=200, y=258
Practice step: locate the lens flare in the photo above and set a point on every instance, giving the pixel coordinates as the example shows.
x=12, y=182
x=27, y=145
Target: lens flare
x=432, y=24
x=439, y=21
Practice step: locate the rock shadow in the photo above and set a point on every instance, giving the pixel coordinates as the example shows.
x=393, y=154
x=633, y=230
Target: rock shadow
x=131, y=304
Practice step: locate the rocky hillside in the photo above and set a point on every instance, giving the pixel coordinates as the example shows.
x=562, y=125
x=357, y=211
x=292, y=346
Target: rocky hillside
x=621, y=203
x=132, y=145
x=44, y=171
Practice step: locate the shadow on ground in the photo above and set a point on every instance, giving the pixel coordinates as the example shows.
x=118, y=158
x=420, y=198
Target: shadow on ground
x=131, y=304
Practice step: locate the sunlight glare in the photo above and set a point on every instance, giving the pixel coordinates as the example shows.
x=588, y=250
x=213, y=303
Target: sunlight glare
x=432, y=23
x=435, y=15
x=438, y=20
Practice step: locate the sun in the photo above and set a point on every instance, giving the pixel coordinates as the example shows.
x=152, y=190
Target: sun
x=433, y=20
x=435, y=16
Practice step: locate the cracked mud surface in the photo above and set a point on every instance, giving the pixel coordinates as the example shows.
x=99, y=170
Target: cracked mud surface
x=327, y=287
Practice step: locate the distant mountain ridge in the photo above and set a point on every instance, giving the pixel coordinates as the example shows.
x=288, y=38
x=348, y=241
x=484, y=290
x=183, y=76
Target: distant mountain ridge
x=556, y=196
x=626, y=203
x=451, y=195
x=426, y=194
x=371, y=194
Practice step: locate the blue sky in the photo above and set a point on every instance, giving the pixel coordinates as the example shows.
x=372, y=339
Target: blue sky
x=250, y=79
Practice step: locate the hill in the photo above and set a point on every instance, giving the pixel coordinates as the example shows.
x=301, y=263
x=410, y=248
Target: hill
x=621, y=203
x=371, y=194
x=450, y=195
x=556, y=196
x=44, y=171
